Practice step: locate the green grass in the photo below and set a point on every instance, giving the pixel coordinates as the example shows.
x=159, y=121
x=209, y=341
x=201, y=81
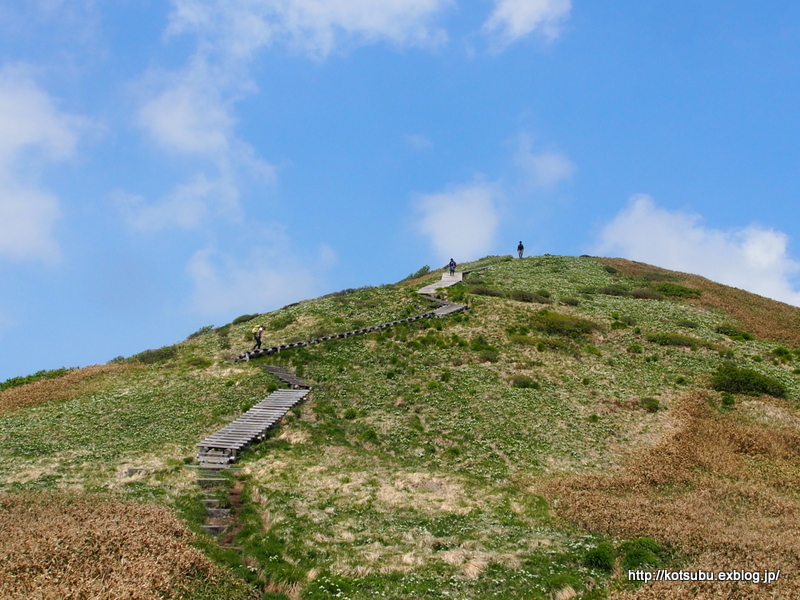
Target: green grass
x=408, y=471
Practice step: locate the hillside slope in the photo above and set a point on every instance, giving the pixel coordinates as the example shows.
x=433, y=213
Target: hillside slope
x=519, y=450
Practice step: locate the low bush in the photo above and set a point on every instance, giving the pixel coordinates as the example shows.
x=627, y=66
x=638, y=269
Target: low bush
x=741, y=380
x=686, y=323
x=602, y=556
x=159, y=355
x=280, y=322
x=424, y=270
x=44, y=374
x=540, y=297
x=484, y=291
x=613, y=290
x=522, y=340
x=675, y=339
x=489, y=356
x=647, y=294
x=651, y=405
x=610, y=269
x=244, y=319
x=522, y=381
x=674, y=290
x=634, y=349
x=640, y=553
x=618, y=325
x=733, y=332
x=560, y=324
x=570, y=301
x=201, y=331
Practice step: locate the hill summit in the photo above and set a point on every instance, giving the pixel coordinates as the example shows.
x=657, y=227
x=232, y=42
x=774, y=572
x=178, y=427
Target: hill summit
x=585, y=418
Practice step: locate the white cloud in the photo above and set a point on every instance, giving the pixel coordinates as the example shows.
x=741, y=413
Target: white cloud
x=545, y=169
x=461, y=223
x=189, y=113
x=186, y=207
x=514, y=19
x=223, y=284
x=33, y=132
x=753, y=258
x=240, y=27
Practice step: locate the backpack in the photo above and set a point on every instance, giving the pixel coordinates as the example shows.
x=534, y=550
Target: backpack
x=254, y=330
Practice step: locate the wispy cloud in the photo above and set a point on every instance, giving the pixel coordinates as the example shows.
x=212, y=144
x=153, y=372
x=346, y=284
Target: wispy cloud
x=515, y=19
x=545, y=169
x=263, y=280
x=460, y=223
x=753, y=258
x=33, y=133
x=240, y=27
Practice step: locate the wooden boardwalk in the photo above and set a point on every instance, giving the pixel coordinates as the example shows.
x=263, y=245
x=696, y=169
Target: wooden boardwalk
x=220, y=448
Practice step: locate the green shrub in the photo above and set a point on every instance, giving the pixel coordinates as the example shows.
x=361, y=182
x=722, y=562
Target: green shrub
x=149, y=357
x=540, y=297
x=589, y=349
x=618, y=325
x=782, y=353
x=201, y=331
x=522, y=381
x=610, y=269
x=639, y=553
x=570, y=301
x=280, y=322
x=647, y=294
x=613, y=290
x=675, y=339
x=244, y=319
x=485, y=291
x=733, y=332
x=560, y=324
x=651, y=405
x=740, y=380
x=199, y=362
x=523, y=340
x=728, y=400
x=424, y=270
x=350, y=414
x=489, y=356
x=634, y=349
x=686, y=323
x=44, y=374
x=674, y=290
x=602, y=556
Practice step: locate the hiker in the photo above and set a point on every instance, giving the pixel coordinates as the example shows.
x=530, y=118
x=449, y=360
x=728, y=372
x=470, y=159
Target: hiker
x=520, y=249
x=257, y=331
x=452, y=266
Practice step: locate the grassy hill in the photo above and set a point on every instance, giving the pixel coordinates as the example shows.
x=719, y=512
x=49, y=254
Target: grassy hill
x=584, y=417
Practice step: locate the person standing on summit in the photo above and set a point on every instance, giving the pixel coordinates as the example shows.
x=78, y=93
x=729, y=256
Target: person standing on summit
x=520, y=249
x=452, y=266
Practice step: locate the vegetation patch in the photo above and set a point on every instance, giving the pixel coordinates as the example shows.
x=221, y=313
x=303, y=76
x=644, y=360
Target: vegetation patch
x=674, y=290
x=676, y=339
x=733, y=332
x=556, y=323
x=741, y=380
x=38, y=376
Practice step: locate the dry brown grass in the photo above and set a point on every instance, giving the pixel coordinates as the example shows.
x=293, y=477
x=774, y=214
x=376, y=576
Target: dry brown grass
x=763, y=317
x=720, y=489
x=69, y=386
x=59, y=547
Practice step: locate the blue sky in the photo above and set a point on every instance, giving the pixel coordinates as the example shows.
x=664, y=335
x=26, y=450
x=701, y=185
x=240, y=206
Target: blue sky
x=170, y=165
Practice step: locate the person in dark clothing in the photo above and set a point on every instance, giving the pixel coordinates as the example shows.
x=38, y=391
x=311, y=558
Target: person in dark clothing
x=520, y=249
x=452, y=266
x=257, y=337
